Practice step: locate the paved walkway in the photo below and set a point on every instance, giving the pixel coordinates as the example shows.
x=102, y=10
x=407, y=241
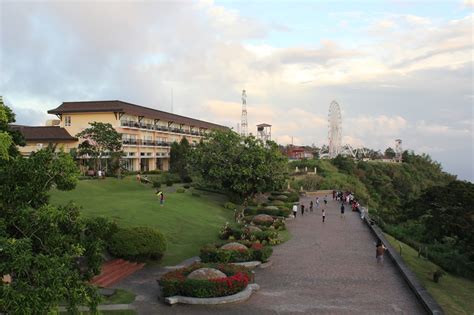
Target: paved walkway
x=326, y=268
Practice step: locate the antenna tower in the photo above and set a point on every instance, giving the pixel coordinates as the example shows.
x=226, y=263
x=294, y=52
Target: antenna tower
x=243, y=123
x=398, y=150
x=335, y=130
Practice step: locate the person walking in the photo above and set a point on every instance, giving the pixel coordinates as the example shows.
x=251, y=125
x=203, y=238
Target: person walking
x=311, y=206
x=295, y=210
x=317, y=202
x=324, y=215
x=326, y=200
x=302, y=209
x=161, y=195
x=342, y=210
x=379, y=252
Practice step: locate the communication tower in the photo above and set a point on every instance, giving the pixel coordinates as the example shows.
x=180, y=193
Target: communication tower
x=398, y=150
x=264, y=132
x=243, y=123
x=335, y=130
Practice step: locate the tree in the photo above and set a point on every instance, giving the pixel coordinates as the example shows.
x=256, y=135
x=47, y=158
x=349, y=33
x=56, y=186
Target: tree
x=47, y=251
x=9, y=139
x=101, y=141
x=239, y=165
x=390, y=153
x=179, y=154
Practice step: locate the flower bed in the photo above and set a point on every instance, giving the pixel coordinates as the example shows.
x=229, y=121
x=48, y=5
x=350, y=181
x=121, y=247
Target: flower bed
x=243, y=233
x=254, y=252
x=176, y=282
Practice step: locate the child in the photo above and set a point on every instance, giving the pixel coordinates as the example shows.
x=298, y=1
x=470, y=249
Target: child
x=324, y=215
x=160, y=194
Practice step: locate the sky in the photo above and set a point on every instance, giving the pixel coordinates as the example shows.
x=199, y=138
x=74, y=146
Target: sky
x=398, y=69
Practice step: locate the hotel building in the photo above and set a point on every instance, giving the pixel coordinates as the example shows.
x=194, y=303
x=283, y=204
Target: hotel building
x=147, y=133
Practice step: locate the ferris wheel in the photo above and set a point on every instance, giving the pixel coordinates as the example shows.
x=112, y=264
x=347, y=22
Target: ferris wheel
x=335, y=130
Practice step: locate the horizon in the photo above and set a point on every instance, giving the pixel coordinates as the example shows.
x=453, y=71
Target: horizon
x=399, y=70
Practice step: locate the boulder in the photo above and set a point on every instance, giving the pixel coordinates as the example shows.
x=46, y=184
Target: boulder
x=206, y=274
x=271, y=208
x=234, y=246
x=262, y=219
x=253, y=229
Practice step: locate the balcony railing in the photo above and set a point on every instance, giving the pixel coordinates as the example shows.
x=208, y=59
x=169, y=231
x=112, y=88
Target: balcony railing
x=146, y=142
x=135, y=124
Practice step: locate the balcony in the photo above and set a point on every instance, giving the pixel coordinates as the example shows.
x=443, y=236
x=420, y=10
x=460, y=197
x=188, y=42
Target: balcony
x=140, y=142
x=138, y=125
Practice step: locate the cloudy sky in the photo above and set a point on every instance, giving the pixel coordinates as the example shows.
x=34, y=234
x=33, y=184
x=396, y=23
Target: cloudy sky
x=398, y=69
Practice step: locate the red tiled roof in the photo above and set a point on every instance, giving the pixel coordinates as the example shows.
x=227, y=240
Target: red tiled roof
x=43, y=133
x=131, y=109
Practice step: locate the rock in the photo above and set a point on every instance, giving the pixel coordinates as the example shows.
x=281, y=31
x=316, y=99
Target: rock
x=106, y=292
x=281, y=197
x=271, y=208
x=262, y=219
x=234, y=246
x=206, y=274
x=253, y=229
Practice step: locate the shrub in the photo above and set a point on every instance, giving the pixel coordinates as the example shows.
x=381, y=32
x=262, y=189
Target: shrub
x=195, y=194
x=187, y=179
x=187, y=186
x=256, y=251
x=156, y=184
x=176, y=283
x=169, y=182
x=278, y=203
x=230, y=205
x=180, y=190
x=137, y=243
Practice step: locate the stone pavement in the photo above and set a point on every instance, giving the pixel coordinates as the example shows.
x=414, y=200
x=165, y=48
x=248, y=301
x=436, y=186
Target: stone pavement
x=326, y=268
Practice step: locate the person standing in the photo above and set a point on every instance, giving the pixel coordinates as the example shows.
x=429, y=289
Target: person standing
x=295, y=210
x=324, y=215
x=317, y=202
x=379, y=252
x=326, y=200
x=160, y=195
x=302, y=209
x=311, y=206
x=342, y=210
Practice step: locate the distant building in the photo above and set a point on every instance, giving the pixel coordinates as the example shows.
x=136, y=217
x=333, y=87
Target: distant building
x=147, y=133
x=298, y=153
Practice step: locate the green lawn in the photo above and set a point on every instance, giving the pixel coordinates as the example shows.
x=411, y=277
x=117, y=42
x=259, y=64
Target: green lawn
x=187, y=221
x=454, y=294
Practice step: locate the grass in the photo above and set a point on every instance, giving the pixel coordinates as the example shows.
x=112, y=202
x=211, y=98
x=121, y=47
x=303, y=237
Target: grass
x=188, y=222
x=119, y=297
x=454, y=294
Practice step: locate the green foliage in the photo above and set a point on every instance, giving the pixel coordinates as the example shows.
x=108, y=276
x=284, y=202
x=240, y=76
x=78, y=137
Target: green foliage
x=195, y=194
x=156, y=184
x=241, y=165
x=390, y=153
x=255, y=252
x=230, y=205
x=169, y=183
x=137, y=243
x=179, y=154
x=101, y=139
x=180, y=190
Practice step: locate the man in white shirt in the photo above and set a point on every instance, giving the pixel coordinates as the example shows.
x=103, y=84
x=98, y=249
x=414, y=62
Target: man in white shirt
x=295, y=209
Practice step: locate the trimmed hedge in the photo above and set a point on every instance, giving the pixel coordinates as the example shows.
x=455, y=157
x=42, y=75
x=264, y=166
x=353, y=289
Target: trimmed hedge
x=230, y=205
x=213, y=253
x=137, y=243
x=282, y=212
x=180, y=190
x=156, y=184
x=247, y=238
x=176, y=283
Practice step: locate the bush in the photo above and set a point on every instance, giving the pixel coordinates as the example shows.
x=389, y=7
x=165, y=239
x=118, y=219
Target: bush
x=187, y=179
x=153, y=172
x=230, y=205
x=169, y=182
x=137, y=243
x=176, y=283
x=278, y=203
x=186, y=186
x=256, y=251
x=85, y=177
x=156, y=184
x=180, y=190
x=195, y=194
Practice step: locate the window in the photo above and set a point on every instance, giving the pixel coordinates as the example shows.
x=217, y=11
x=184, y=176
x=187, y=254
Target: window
x=39, y=146
x=67, y=121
